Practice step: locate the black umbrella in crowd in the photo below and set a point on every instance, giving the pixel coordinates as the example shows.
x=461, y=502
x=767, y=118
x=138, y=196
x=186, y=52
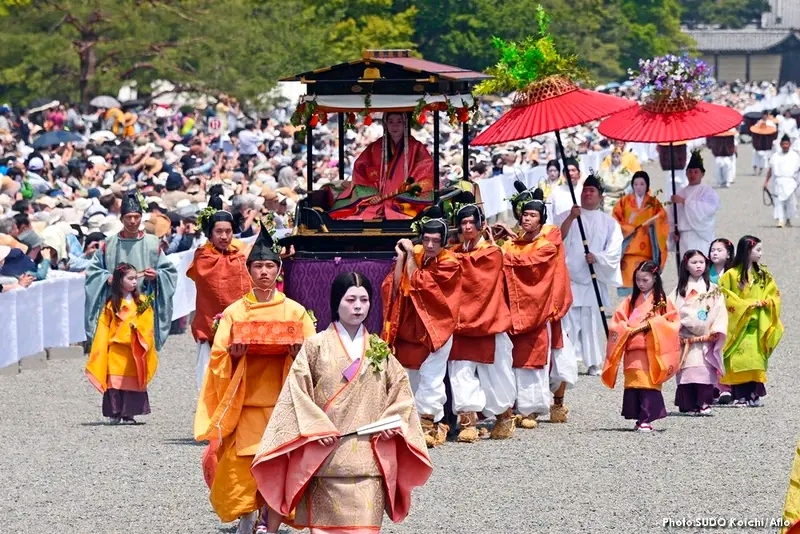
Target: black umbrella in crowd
x=55, y=138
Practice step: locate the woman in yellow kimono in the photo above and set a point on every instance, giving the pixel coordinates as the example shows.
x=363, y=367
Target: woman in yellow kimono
x=123, y=358
x=643, y=335
x=316, y=456
x=754, y=323
x=644, y=225
x=791, y=506
x=616, y=181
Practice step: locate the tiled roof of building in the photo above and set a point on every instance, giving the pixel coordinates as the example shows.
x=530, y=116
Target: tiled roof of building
x=744, y=40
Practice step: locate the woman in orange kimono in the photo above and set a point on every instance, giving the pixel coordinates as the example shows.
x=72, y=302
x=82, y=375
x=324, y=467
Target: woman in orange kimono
x=379, y=188
x=219, y=272
x=644, y=225
x=123, y=359
x=643, y=335
x=316, y=456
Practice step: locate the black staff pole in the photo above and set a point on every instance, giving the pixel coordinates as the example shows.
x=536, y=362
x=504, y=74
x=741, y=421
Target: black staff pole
x=675, y=208
x=583, y=234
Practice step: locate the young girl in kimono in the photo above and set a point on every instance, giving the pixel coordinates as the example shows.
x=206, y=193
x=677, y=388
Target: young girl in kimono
x=721, y=255
x=312, y=458
x=644, y=321
x=754, y=324
x=123, y=358
x=704, y=325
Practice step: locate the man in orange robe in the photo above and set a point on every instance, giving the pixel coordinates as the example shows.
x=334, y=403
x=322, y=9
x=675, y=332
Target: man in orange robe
x=257, y=338
x=419, y=299
x=481, y=377
x=219, y=272
x=378, y=189
x=539, y=295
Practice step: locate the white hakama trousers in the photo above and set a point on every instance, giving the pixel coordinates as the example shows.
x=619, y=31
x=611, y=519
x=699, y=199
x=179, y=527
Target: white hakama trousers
x=585, y=329
x=680, y=181
x=203, y=357
x=486, y=387
x=563, y=365
x=535, y=387
x=761, y=159
x=784, y=199
x=725, y=167
x=427, y=382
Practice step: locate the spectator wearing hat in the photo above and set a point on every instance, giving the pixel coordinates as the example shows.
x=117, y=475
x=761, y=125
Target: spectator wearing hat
x=175, y=193
x=35, y=168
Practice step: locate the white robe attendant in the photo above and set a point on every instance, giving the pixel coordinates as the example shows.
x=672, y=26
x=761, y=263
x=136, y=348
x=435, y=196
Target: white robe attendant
x=583, y=323
x=761, y=159
x=697, y=218
x=560, y=201
x=783, y=184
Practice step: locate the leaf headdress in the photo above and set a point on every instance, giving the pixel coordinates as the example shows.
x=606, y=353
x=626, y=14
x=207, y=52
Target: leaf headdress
x=532, y=60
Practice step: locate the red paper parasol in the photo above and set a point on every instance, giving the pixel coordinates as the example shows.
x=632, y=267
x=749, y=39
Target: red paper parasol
x=550, y=105
x=669, y=120
x=648, y=124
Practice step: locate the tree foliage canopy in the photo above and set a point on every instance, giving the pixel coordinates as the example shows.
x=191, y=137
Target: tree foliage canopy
x=75, y=49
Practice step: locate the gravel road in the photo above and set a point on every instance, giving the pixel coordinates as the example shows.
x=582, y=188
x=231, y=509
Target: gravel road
x=65, y=470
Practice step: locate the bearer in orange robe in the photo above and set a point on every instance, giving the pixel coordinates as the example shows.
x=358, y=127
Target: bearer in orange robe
x=379, y=188
x=420, y=298
x=539, y=295
x=643, y=335
x=481, y=377
x=257, y=338
x=219, y=271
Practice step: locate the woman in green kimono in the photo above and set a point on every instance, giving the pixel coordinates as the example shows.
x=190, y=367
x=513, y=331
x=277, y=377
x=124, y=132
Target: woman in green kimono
x=754, y=325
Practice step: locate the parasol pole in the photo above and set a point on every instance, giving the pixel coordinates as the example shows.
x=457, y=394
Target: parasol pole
x=340, y=119
x=675, y=207
x=583, y=233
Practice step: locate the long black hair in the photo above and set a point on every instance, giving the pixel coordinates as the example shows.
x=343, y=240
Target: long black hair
x=658, y=286
x=746, y=245
x=341, y=284
x=683, y=272
x=117, y=294
x=728, y=246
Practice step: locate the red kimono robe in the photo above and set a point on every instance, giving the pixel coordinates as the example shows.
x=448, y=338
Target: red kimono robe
x=370, y=179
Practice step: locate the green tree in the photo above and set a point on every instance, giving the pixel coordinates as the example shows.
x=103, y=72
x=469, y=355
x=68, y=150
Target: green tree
x=733, y=14
x=736, y=14
x=652, y=28
x=75, y=49
x=345, y=28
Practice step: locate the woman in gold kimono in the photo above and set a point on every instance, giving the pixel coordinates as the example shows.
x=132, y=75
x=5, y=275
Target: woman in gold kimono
x=123, y=359
x=312, y=459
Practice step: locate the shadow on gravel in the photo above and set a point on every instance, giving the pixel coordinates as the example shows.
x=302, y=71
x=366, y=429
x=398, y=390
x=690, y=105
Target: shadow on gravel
x=185, y=441
x=630, y=430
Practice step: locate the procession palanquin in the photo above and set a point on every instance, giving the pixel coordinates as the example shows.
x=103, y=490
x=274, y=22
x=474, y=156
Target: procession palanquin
x=379, y=82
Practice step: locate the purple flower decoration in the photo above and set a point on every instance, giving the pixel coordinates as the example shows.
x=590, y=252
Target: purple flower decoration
x=674, y=77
